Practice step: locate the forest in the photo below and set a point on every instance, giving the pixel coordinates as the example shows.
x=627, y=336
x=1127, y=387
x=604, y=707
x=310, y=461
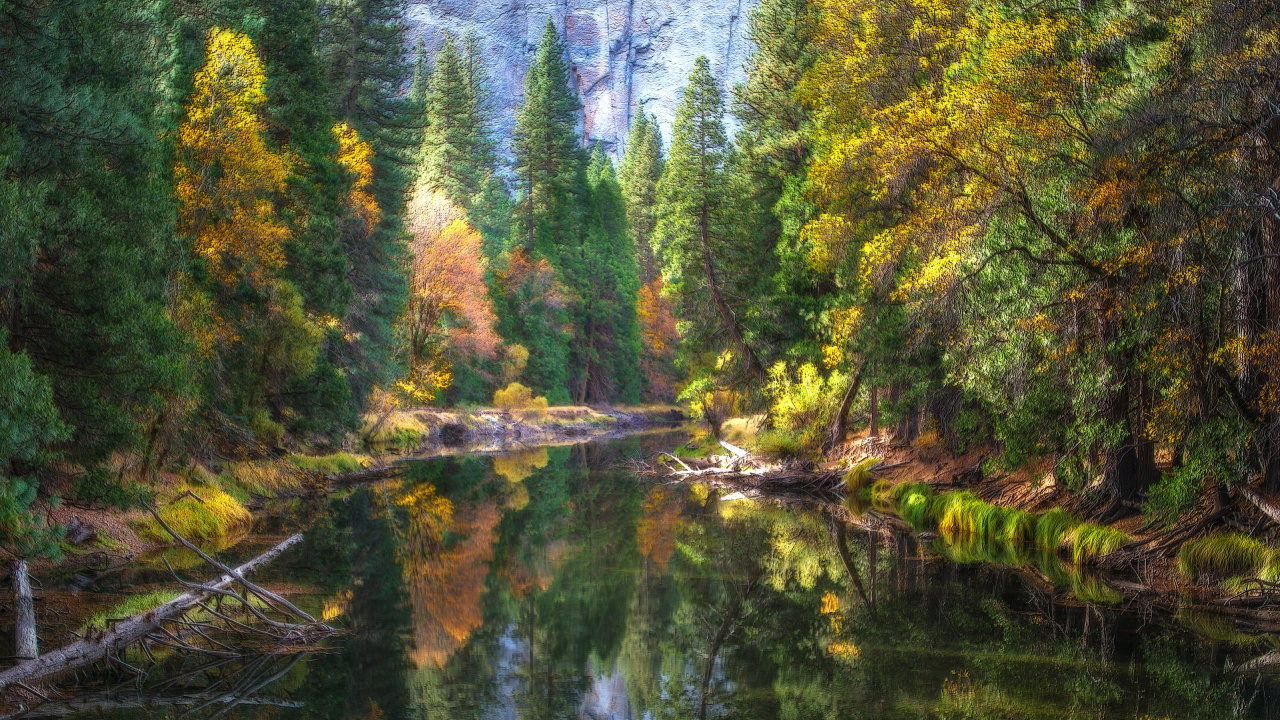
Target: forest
x=237, y=228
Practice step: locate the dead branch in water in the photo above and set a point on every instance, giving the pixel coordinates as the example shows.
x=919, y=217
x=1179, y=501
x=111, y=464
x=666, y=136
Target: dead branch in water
x=169, y=625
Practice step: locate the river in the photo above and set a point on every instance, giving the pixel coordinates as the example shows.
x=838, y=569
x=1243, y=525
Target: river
x=554, y=583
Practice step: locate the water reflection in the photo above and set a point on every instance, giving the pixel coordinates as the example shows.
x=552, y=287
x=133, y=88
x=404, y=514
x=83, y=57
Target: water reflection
x=554, y=584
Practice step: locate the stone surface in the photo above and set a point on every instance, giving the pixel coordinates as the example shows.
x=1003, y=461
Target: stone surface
x=624, y=54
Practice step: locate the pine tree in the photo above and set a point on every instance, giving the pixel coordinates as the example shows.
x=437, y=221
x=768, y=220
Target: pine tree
x=91, y=364
x=362, y=43
x=549, y=159
x=453, y=140
x=699, y=228
x=774, y=143
x=608, y=350
x=639, y=173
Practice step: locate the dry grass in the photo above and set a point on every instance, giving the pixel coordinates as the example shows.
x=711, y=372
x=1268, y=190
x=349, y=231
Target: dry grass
x=399, y=430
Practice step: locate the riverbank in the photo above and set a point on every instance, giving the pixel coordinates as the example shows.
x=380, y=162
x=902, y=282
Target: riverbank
x=1220, y=557
x=216, y=501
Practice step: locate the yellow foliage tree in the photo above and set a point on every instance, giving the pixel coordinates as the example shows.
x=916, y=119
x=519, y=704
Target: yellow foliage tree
x=356, y=157
x=227, y=176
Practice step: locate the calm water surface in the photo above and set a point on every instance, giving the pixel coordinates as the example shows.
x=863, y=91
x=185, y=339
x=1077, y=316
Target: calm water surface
x=551, y=583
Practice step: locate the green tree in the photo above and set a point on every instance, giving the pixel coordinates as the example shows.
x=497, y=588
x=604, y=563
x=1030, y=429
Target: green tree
x=548, y=152
x=638, y=174
x=453, y=139
x=699, y=231
x=362, y=45
x=87, y=247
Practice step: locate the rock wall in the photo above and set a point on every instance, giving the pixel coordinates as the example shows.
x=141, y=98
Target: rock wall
x=625, y=54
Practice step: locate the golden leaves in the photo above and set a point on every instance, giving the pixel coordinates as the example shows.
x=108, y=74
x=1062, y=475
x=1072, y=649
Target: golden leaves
x=227, y=177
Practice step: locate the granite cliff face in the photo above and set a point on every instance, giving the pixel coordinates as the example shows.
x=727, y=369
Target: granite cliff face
x=624, y=53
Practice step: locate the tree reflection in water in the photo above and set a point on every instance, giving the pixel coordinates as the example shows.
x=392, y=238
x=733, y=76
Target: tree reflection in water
x=556, y=584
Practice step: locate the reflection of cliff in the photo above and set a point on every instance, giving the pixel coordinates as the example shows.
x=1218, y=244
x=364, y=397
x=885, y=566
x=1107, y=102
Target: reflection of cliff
x=445, y=585
x=623, y=52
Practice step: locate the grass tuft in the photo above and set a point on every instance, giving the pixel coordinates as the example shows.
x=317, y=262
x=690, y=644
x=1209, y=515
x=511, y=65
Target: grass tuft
x=859, y=476
x=339, y=462
x=1052, y=528
x=1225, y=554
x=132, y=605
x=214, y=515
x=1089, y=541
x=912, y=502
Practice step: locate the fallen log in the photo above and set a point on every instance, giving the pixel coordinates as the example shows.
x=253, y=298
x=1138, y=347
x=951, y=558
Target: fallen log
x=368, y=475
x=1262, y=502
x=127, y=632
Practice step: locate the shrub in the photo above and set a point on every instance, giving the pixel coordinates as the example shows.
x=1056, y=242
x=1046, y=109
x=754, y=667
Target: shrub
x=267, y=431
x=517, y=397
x=781, y=444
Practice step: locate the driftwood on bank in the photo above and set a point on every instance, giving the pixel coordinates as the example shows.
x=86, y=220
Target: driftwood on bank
x=742, y=472
x=368, y=475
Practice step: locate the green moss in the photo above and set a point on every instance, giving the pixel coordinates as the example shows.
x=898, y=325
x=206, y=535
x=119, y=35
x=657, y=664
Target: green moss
x=1226, y=554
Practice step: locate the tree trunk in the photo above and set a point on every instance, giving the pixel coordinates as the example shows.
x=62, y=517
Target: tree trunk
x=839, y=423
x=24, y=624
x=874, y=430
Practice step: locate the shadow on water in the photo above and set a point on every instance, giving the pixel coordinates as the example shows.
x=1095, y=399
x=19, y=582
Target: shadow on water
x=552, y=583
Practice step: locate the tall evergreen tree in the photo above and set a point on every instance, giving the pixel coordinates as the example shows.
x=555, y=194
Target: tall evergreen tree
x=608, y=350
x=638, y=174
x=700, y=230
x=86, y=248
x=362, y=43
x=548, y=152
x=453, y=152
x=774, y=143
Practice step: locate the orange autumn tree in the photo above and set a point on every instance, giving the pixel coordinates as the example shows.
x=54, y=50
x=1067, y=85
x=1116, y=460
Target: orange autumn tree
x=450, y=317
x=658, y=342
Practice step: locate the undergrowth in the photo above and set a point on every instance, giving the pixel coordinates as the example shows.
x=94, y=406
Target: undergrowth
x=339, y=462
